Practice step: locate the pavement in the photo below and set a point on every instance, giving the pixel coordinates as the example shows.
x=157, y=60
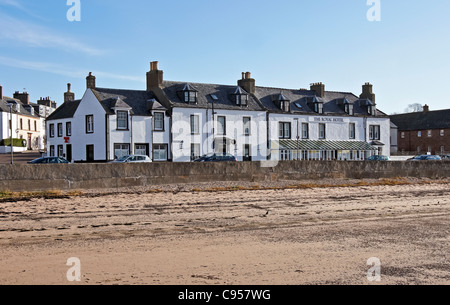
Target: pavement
x=19, y=158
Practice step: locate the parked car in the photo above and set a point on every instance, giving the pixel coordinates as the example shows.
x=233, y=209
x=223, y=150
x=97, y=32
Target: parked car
x=426, y=158
x=49, y=160
x=378, y=158
x=133, y=159
x=445, y=157
x=216, y=157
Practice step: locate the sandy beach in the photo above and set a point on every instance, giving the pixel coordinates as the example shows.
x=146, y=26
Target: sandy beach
x=204, y=234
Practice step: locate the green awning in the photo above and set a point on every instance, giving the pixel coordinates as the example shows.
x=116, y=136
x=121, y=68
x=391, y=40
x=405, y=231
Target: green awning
x=324, y=145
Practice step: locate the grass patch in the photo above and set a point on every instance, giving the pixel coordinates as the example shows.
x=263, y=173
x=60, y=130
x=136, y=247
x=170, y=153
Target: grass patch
x=50, y=194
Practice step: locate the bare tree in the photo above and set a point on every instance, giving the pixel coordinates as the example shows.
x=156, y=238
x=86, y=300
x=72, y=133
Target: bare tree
x=414, y=108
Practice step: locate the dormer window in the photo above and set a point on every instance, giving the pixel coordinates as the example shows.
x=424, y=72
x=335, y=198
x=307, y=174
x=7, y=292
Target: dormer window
x=349, y=109
x=283, y=102
x=315, y=104
x=370, y=106
x=240, y=97
x=318, y=107
x=189, y=94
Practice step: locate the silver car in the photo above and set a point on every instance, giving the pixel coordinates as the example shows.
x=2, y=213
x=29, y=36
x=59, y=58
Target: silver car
x=133, y=159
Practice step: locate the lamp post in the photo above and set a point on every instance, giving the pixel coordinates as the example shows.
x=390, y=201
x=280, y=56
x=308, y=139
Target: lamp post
x=11, y=127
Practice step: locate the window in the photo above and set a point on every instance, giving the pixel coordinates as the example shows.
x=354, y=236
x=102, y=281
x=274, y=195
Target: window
x=221, y=126
x=285, y=155
x=60, y=151
x=419, y=149
x=29, y=125
x=349, y=109
x=241, y=99
x=318, y=107
x=160, y=152
x=141, y=149
x=190, y=96
x=430, y=133
x=442, y=132
x=159, y=121
x=68, y=129
x=403, y=135
x=195, y=151
x=305, y=131
x=35, y=125
x=121, y=150
x=122, y=120
x=195, y=124
x=429, y=149
x=60, y=130
x=374, y=132
x=89, y=124
x=247, y=126
x=52, y=150
x=419, y=134
x=352, y=131
x=322, y=131
x=285, y=130
x=442, y=149
x=285, y=106
x=21, y=124
x=52, y=130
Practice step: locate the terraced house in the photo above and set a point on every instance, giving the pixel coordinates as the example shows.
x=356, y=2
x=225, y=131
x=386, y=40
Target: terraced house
x=25, y=121
x=180, y=121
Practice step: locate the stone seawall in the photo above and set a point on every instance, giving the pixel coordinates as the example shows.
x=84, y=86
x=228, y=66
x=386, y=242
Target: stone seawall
x=30, y=177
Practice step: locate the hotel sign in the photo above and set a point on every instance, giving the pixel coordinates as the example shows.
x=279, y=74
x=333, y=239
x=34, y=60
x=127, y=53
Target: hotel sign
x=329, y=120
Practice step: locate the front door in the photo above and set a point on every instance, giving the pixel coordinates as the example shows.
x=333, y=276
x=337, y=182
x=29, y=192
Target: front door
x=247, y=153
x=29, y=142
x=90, y=153
x=69, y=152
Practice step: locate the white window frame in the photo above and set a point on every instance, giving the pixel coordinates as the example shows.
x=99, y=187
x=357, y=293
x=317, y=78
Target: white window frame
x=158, y=121
x=123, y=120
x=322, y=131
x=195, y=124
x=247, y=122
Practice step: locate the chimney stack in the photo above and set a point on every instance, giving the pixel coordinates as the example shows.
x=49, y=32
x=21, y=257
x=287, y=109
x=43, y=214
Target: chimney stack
x=367, y=92
x=90, y=81
x=247, y=82
x=155, y=76
x=23, y=97
x=69, y=96
x=426, y=108
x=1, y=92
x=319, y=88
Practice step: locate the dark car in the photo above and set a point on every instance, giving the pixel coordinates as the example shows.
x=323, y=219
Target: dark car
x=426, y=158
x=378, y=158
x=49, y=160
x=216, y=157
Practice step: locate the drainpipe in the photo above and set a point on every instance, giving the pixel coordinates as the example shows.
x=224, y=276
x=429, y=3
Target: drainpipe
x=131, y=135
x=107, y=136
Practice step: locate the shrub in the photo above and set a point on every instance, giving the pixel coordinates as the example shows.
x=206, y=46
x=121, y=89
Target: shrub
x=16, y=142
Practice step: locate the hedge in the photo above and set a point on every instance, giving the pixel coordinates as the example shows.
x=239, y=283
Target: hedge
x=16, y=142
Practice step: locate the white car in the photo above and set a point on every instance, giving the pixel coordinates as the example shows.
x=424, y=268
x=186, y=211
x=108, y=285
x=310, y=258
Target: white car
x=133, y=159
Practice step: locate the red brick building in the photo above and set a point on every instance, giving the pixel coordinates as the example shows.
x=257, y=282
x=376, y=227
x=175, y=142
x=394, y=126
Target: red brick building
x=423, y=132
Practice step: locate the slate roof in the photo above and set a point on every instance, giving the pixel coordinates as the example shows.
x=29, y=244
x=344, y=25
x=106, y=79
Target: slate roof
x=140, y=101
x=23, y=111
x=204, y=99
x=300, y=101
x=66, y=110
x=439, y=119
x=325, y=145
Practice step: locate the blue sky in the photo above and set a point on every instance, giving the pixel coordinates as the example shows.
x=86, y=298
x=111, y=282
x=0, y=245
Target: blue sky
x=284, y=43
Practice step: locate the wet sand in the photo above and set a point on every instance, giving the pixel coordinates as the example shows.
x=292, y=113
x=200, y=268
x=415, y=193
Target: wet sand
x=290, y=236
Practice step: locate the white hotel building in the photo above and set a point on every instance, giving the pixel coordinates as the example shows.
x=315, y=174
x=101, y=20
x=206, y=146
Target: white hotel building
x=179, y=121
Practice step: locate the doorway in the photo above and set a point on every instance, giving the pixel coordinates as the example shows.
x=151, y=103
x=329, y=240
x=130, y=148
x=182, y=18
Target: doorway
x=247, y=153
x=69, y=152
x=89, y=153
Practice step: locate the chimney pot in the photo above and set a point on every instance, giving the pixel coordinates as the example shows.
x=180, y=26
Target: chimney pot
x=155, y=77
x=426, y=108
x=90, y=81
x=247, y=82
x=1, y=92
